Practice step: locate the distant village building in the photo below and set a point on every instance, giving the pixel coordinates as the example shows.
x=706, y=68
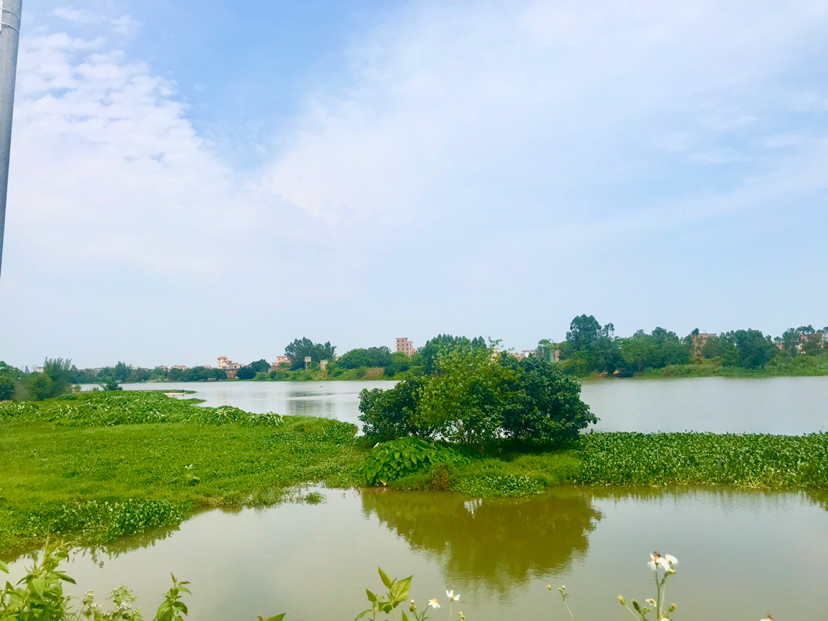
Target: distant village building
x=180, y=367
x=226, y=364
x=404, y=346
x=526, y=353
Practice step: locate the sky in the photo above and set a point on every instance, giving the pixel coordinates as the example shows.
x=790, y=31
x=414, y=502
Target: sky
x=195, y=179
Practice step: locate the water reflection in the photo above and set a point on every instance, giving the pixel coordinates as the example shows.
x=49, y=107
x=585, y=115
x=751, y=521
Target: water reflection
x=492, y=543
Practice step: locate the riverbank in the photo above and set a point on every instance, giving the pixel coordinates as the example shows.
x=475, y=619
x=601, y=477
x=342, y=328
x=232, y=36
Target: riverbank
x=97, y=466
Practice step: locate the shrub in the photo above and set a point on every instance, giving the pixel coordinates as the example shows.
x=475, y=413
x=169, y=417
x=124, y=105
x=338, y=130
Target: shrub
x=476, y=397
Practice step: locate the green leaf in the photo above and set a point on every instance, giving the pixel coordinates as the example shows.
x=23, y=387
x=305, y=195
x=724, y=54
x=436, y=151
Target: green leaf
x=65, y=577
x=371, y=597
x=3, y=567
x=385, y=579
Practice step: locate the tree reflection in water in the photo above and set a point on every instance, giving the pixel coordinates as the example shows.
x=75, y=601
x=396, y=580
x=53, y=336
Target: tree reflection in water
x=495, y=543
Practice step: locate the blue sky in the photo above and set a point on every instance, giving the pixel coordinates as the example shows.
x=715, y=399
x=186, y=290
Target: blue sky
x=195, y=179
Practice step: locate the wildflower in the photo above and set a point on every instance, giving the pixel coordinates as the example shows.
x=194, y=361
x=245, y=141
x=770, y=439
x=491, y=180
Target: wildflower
x=548, y=587
x=665, y=562
x=651, y=602
x=452, y=597
x=621, y=600
x=433, y=602
x=768, y=618
x=413, y=606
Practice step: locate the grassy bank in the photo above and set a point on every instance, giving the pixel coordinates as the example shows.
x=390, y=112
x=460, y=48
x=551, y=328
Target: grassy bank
x=93, y=467
x=780, y=366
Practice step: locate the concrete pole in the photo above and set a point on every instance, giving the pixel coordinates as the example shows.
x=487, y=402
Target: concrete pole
x=9, y=36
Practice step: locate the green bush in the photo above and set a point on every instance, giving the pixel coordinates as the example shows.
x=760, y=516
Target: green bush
x=476, y=397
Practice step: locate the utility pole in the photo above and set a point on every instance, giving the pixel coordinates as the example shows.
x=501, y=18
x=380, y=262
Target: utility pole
x=9, y=38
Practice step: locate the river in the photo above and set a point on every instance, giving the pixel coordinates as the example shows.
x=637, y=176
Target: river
x=781, y=405
x=743, y=554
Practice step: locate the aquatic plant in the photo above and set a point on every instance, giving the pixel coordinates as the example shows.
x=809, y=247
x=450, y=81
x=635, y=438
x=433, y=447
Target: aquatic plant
x=389, y=461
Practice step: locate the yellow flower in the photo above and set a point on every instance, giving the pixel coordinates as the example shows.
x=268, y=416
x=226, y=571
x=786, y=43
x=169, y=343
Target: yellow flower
x=433, y=603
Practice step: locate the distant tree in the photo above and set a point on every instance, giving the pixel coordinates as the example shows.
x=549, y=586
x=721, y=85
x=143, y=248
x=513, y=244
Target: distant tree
x=791, y=339
x=111, y=385
x=445, y=343
x=59, y=371
x=370, y=357
x=755, y=349
x=38, y=386
x=300, y=348
x=653, y=351
x=245, y=373
x=583, y=331
x=546, y=349
x=9, y=376
x=260, y=366
x=400, y=363
x=7, y=384
x=138, y=375
x=121, y=372
x=714, y=347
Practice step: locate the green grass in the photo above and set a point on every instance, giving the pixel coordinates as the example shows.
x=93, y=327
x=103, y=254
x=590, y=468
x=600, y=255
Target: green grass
x=88, y=471
x=97, y=466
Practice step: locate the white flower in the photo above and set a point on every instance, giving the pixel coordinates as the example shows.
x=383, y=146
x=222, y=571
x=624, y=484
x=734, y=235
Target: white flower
x=666, y=562
x=433, y=603
x=452, y=597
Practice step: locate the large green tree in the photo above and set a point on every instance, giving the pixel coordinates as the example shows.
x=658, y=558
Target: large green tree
x=300, y=348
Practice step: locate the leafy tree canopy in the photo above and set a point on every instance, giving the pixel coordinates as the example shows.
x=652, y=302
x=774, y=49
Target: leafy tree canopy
x=362, y=357
x=300, y=348
x=259, y=366
x=444, y=343
x=475, y=396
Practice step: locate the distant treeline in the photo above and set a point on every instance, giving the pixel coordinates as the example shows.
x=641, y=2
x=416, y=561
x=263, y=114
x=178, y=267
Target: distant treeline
x=589, y=349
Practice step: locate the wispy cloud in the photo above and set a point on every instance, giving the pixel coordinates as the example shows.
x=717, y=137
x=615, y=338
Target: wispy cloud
x=526, y=108
x=124, y=25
